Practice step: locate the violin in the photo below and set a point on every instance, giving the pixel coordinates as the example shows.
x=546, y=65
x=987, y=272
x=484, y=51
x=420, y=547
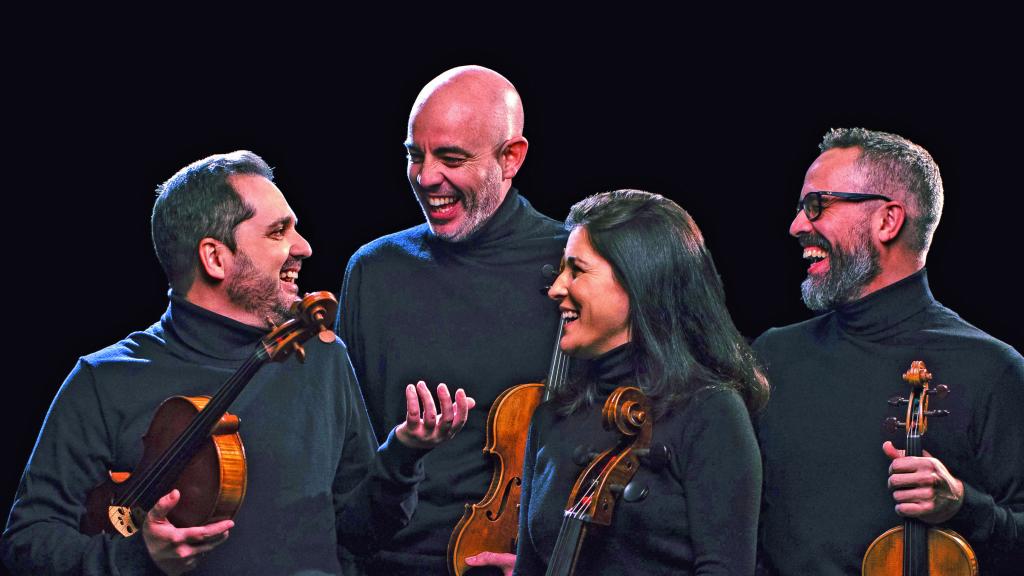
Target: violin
x=915, y=549
x=492, y=525
x=593, y=498
x=193, y=443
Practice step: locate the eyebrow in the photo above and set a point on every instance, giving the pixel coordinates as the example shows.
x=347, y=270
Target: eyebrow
x=573, y=261
x=286, y=221
x=442, y=150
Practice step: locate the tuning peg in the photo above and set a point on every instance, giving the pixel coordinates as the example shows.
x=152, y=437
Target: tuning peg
x=936, y=413
x=300, y=352
x=656, y=457
x=635, y=492
x=273, y=325
x=891, y=424
x=897, y=400
x=941, y=390
x=583, y=455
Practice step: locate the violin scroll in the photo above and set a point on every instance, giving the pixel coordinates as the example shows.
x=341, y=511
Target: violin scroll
x=313, y=314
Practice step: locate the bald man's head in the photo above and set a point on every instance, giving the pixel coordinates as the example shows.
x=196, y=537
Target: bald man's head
x=476, y=94
x=465, y=143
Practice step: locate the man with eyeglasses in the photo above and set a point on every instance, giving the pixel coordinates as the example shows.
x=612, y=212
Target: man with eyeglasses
x=834, y=480
x=458, y=298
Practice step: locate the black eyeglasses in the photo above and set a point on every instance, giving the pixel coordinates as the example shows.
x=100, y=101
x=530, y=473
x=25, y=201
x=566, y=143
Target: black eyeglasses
x=812, y=206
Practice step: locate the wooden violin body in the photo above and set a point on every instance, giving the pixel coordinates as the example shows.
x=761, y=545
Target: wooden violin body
x=193, y=443
x=492, y=525
x=916, y=549
x=213, y=482
x=948, y=554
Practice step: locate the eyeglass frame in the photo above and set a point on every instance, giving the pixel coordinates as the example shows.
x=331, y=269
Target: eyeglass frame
x=845, y=196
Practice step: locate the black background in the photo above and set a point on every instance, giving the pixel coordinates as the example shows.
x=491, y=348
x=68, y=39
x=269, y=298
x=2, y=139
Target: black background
x=94, y=122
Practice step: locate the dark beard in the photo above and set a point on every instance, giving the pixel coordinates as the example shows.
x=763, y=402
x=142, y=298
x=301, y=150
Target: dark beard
x=255, y=292
x=849, y=271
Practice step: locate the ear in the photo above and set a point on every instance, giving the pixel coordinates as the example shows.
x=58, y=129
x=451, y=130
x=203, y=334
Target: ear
x=512, y=156
x=892, y=216
x=213, y=255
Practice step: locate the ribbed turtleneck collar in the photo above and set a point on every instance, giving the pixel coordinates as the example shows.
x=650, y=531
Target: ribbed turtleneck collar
x=879, y=314
x=207, y=333
x=612, y=369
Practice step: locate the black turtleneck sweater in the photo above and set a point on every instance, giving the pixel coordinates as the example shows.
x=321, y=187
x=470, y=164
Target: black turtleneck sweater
x=821, y=435
x=700, y=515
x=314, y=481
x=472, y=314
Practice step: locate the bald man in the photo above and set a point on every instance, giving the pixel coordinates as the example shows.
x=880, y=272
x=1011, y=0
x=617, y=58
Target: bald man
x=458, y=299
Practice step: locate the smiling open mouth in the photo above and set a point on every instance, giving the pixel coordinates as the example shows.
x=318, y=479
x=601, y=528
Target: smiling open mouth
x=814, y=254
x=289, y=276
x=569, y=315
x=437, y=202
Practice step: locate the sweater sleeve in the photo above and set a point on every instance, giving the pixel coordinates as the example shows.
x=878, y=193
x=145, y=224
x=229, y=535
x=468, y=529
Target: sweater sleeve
x=375, y=487
x=722, y=480
x=993, y=509
x=69, y=459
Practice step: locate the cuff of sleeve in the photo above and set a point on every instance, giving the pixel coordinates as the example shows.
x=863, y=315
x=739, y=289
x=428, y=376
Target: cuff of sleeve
x=974, y=521
x=132, y=557
x=402, y=463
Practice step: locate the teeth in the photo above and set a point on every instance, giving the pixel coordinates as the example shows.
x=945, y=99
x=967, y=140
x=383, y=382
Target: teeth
x=290, y=275
x=814, y=253
x=570, y=315
x=436, y=202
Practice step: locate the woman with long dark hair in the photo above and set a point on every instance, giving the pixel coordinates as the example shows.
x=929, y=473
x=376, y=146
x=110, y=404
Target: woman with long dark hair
x=643, y=305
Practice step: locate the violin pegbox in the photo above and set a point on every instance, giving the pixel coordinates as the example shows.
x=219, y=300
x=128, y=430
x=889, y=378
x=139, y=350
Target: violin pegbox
x=313, y=314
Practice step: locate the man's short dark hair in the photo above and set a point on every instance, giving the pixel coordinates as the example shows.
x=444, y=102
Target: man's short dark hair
x=900, y=169
x=199, y=202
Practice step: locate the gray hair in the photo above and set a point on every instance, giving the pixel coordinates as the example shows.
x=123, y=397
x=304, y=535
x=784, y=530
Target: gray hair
x=898, y=168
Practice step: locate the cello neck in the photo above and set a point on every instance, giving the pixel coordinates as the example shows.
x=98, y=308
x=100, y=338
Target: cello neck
x=567, y=547
x=559, y=369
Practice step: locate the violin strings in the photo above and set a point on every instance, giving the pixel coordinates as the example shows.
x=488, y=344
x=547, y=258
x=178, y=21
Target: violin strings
x=171, y=455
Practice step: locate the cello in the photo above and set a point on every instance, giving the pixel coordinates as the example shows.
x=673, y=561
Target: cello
x=492, y=525
x=593, y=498
x=915, y=549
x=193, y=443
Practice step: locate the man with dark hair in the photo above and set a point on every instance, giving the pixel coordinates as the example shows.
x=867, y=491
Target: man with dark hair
x=459, y=298
x=317, y=480
x=834, y=481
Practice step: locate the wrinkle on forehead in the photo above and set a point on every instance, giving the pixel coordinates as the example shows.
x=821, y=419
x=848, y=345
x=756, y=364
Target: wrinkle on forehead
x=474, y=98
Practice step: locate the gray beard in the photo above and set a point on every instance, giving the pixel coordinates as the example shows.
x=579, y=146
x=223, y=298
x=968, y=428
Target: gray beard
x=848, y=273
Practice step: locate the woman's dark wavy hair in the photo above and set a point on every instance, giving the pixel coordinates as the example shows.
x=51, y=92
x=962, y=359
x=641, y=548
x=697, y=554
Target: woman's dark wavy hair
x=683, y=338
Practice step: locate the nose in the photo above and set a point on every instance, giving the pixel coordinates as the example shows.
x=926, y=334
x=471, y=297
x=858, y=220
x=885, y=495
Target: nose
x=430, y=173
x=301, y=247
x=800, y=224
x=558, y=288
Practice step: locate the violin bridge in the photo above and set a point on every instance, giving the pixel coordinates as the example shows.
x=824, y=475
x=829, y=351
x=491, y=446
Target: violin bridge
x=121, y=519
